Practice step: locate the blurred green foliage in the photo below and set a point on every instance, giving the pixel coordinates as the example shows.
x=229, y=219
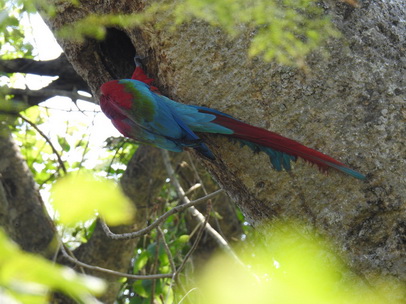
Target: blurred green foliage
x=80, y=197
x=28, y=278
x=287, y=264
x=282, y=30
x=12, y=33
x=95, y=25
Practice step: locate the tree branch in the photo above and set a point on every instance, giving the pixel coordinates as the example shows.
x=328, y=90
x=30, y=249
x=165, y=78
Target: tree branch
x=112, y=272
x=158, y=221
x=22, y=212
x=167, y=249
x=60, y=161
x=60, y=67
x=34, y=97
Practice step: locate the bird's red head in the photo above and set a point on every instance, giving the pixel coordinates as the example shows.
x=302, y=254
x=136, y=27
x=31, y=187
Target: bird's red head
x=113, y=97
x=113, y=102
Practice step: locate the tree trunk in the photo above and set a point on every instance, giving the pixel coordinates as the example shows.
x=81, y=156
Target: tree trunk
x=22, y=212
x=350, y=106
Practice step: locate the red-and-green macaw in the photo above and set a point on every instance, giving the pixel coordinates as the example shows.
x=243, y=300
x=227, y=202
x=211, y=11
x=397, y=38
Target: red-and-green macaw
x=139, y=111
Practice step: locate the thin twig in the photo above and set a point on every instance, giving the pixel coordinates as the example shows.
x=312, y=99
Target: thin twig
x=196, y=213
x=194, y=246
x=184, y=297
x=84, y=150
x=167, y=249
x=194, y=188
x=215, y=218
x=61, y=164
x=171, y=261
x=190, y=190
x=189, y=254
x=158, y=221
x=114, y=157
x=154, y=268
x=112, y=272
x=68, y=252
x=213, y=232
x=192, y=164
x=172, y=176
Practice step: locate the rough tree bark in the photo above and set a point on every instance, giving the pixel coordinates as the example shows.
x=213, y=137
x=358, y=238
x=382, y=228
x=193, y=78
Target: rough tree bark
x=350, y=106
x=22, y=213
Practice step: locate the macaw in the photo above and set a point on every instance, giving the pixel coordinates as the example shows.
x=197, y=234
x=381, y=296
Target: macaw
x=139, y=111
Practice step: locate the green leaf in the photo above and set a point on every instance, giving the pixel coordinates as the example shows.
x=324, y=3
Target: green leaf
x=142, y=288
x=89, y=231
x=183, y=239
x=79, y=197
x=64, y=144
x=163, y=257
x=10, y=106
x=141, y=261
x=35, y=114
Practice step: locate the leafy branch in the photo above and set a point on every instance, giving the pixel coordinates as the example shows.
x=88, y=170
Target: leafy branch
x=60, y=161
x=285, y=31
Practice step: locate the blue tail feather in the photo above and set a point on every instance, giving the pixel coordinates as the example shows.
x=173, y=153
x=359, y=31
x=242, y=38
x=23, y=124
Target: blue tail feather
x=348, y=171
x=279, y=160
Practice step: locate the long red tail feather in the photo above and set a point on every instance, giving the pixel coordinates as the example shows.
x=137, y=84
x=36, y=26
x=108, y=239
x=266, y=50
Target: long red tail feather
x=277, y=142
